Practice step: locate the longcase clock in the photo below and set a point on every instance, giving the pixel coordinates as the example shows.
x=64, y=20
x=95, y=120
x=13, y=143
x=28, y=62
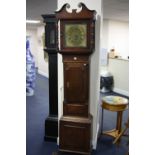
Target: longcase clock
x=77, y=37
x=51, y=122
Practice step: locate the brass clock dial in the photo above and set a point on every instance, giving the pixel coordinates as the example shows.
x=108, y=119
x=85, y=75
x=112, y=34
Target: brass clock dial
x=75, y=35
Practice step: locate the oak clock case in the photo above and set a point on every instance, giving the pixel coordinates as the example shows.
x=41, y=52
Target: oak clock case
x=51, y=122
x=77, y=33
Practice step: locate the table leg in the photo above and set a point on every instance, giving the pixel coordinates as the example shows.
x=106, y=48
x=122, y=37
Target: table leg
x=119, y=121
x=115, y=132
x=102, y=122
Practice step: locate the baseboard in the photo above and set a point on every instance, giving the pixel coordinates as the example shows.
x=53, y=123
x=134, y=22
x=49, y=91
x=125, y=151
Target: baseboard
x=94, y=142
x=43, y=73
x=120, y=91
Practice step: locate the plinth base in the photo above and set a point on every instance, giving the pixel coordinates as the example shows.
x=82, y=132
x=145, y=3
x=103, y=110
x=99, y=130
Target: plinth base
x=75, y=135
x=51, y=128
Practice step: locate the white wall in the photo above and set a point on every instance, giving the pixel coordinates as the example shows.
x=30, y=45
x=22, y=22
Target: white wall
x=32, y=33
x=94, y=65
x=118, y=37
x=116, y=34
x=42, y=63
x=36, y=45
x=104, y=42
x=120, y=71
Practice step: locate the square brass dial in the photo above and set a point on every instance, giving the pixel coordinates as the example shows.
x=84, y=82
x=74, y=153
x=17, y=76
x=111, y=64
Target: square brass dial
x=75, y=35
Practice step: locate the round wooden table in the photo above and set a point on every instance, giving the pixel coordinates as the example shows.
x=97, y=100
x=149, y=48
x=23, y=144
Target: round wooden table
x=117, y=104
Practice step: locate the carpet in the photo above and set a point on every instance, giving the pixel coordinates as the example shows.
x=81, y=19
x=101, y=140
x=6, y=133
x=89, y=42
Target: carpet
x=36, y=113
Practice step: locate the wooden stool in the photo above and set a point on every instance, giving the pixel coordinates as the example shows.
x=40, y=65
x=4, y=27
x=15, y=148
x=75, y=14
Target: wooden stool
x=117, y=104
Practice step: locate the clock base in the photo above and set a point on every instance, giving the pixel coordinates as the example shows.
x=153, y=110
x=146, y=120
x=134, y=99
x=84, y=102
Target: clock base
x=51, y=128
x=75, y=134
